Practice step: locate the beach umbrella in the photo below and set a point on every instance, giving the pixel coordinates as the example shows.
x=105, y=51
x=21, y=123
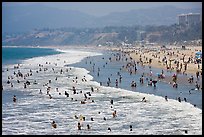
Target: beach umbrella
x=198, y=54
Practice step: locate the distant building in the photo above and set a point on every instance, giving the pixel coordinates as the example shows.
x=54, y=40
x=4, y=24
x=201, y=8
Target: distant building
x=193, y=18
x=182, y=19
x=189, y=19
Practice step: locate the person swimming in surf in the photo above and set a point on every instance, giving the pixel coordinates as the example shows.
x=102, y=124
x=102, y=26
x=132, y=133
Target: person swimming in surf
x=54, y=125
x=143, y=99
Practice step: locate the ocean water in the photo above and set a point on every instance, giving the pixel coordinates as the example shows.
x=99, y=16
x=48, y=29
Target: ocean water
x=11, y=55
x=15, y=55
x=33, y=112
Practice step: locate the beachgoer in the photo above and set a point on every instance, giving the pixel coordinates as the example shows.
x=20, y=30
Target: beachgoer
x=116, y=83
x=150, y=82
x=197, y=86
x=85, y=96
x=74, y=90
x=14, y=98
x=133, y=84
x=111, y=101
x=83, y=102
x=8, y=82
x=109, y=129
x=92, y=89
x=114, y=114
x=88, y=127
x=120, y=79
x=130, y=127
x=166, y=98
x=175, y=85
x=67, y=94
x=54, y=125
x=143, y=99
x=141, y=80
x=154, y=82
x=50, y=96
x=197, y=75
x=179, y=99
x=79, y=126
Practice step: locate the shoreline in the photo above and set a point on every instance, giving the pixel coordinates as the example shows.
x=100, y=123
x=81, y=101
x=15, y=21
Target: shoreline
x=62, y=109
x=144, y=52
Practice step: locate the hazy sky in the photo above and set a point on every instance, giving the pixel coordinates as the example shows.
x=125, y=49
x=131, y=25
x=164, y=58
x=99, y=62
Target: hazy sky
x=104, y=8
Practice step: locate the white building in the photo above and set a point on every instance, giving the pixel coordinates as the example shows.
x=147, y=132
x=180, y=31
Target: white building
x=189, y=19
x=182, y=19
x=193, y=18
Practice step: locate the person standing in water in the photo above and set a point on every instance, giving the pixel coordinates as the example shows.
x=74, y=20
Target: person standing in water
x=14, y=98
x=79, y=126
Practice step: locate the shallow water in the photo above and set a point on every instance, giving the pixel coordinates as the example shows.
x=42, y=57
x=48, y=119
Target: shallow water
x=112, y=68
x=34, y=113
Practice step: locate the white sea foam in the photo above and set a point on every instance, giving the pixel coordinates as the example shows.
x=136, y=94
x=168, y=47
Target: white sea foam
x=34, y=114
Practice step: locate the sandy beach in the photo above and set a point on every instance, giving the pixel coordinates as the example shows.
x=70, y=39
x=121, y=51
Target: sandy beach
x=179, y=53
x=172, y=54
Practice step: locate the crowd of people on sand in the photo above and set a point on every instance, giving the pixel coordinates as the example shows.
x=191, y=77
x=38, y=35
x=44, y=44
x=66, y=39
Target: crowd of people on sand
x=131, y=67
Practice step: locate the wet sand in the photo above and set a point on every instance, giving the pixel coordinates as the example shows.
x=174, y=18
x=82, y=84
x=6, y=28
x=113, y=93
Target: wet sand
x=156, y=54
